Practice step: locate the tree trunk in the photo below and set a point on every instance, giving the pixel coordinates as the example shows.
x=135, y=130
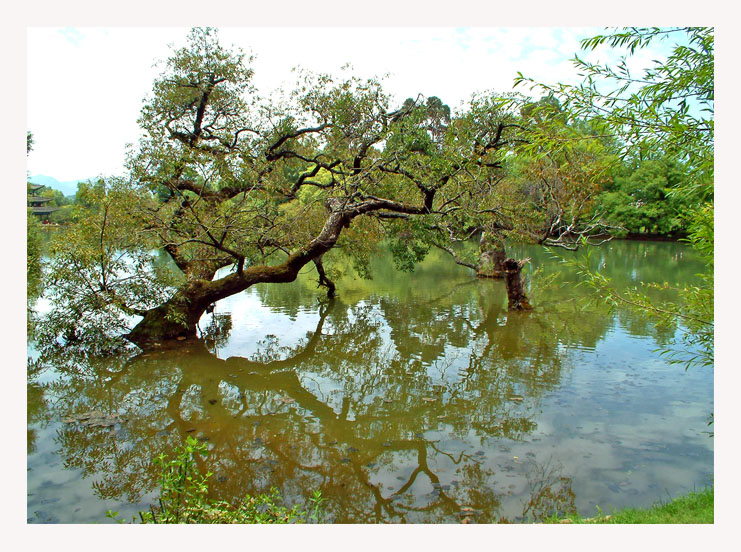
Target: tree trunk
x=178, y=317
x=323, y=278
x=492, y=256
x=516, y=298
x=491, y=264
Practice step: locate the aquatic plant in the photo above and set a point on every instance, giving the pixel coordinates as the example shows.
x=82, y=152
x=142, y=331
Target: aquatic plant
x=184, y=497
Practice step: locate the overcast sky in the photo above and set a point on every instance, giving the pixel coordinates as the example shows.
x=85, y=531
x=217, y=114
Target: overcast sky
x=85, y=86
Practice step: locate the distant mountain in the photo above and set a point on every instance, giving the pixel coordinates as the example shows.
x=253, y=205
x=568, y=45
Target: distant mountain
x=68, y=188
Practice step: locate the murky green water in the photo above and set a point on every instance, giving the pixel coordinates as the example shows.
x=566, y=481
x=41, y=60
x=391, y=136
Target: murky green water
x=410, y=398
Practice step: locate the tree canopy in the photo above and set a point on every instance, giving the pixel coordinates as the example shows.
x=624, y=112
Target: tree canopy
x=238, y=190
x=669, y=108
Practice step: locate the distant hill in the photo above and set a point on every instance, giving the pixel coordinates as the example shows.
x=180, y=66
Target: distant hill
x=68, y=188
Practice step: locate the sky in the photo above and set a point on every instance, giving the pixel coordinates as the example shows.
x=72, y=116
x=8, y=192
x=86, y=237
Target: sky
x=85, y=85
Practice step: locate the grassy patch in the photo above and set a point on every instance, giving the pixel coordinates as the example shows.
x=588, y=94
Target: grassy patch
x=696, y=507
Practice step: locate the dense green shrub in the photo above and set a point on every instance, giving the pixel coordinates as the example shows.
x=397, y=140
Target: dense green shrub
x=639, y=200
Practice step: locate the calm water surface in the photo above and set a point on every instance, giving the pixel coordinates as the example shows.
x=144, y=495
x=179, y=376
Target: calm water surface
x=409, y=398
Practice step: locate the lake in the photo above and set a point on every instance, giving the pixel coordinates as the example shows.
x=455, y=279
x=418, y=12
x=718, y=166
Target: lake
x=410, y=398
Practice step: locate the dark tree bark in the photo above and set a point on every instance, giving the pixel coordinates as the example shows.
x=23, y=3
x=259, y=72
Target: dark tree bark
x=323, y=278
x=177, y=317
x=516, y=298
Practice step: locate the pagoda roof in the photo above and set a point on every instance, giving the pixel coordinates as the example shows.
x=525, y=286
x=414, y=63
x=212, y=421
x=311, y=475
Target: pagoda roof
x=43, y=210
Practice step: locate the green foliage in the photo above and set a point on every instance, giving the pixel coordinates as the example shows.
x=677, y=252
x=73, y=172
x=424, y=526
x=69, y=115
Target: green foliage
x=702, y=232
x=102, y=269
x=409, y=246
x=667, y=113
x=189, y=72
x=407, y=253
x=184, y=496
x=63, y=215
x=641, y=200
x=88, y=194
x=58, y=199
x=560, y=164
x=176, y=315
x=669, y=108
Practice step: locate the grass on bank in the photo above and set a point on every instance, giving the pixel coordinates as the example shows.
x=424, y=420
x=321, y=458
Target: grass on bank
x=695, y=507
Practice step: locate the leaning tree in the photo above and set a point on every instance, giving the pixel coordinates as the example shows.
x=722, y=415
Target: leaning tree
x=238, y=191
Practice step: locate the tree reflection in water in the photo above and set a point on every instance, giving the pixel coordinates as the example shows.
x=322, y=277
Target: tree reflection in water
x=395, y=420
x=550, y=492
x=402, y=403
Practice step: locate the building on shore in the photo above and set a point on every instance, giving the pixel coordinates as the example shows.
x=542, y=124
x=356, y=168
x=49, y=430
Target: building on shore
x=37, y=204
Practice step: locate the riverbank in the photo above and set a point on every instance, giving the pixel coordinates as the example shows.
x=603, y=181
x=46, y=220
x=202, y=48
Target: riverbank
x=695, y=507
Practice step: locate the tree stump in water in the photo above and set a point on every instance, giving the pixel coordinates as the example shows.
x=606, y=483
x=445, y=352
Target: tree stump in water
x=516, y=298
x=491, y=264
